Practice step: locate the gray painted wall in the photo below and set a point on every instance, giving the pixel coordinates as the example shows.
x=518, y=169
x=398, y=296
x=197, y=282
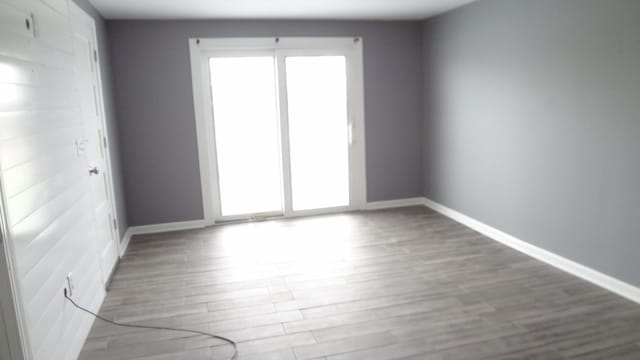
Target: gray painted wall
x=112, y=127
x=152, y=79
x=532, y=124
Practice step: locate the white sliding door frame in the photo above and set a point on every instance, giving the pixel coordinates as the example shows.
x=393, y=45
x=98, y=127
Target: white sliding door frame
x=350, y=47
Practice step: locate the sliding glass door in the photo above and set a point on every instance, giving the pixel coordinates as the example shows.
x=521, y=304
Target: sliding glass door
x=243, y=91
x=283, y=140
x=316, y=88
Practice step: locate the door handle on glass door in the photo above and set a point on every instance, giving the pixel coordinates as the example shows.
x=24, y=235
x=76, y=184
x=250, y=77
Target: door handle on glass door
x=93, y=171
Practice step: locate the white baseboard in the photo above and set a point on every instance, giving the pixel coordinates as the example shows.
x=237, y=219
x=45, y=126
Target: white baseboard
x=158, y=228
x=389, y=204
x=166, y=227
x=605, y=281
x=124, y=243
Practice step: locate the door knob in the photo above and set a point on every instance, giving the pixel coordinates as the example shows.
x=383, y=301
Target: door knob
x=93, y=171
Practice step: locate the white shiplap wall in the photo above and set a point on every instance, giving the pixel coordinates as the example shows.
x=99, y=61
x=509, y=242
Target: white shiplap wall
x=45, y=182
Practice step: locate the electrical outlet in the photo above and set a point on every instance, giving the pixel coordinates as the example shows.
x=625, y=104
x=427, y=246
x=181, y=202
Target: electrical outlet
x=70, y=286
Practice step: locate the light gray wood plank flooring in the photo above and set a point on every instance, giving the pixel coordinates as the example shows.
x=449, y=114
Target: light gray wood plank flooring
x=392, y=284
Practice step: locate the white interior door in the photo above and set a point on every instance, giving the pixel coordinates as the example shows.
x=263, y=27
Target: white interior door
x=93, y=144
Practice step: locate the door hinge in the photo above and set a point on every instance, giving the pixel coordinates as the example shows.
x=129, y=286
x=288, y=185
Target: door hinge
x=104, y=141
x=115, y=224
x=95, y=55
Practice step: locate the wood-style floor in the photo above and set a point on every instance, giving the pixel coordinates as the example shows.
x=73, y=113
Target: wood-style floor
x=393, y=284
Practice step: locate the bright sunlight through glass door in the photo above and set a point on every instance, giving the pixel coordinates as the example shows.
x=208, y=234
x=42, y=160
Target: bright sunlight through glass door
x=246, y=135
x=318, y=131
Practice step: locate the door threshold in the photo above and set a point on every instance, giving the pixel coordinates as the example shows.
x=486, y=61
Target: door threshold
x=300, y=214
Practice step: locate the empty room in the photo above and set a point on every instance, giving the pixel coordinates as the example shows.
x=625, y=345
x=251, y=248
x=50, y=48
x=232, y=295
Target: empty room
x=319, y=180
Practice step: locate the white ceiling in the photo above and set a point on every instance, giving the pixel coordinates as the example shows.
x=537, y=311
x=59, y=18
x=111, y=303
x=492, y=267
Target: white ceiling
x=275, y=9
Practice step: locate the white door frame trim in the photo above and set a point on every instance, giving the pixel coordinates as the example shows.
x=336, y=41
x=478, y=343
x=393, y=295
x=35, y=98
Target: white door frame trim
x=11, y=298
x=105, y=132
x=199, y=47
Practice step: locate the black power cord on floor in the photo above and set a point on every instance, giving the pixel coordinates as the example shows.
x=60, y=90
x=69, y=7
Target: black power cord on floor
x=231, y=342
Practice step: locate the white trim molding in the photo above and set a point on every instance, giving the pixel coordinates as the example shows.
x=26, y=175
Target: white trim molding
x=593, y=276
x=158, y=228
x=12, y=311
x=398, y=203
x=166, y=227
x=124, y=243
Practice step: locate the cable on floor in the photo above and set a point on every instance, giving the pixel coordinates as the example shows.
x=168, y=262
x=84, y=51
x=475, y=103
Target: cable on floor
x=231, y=342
